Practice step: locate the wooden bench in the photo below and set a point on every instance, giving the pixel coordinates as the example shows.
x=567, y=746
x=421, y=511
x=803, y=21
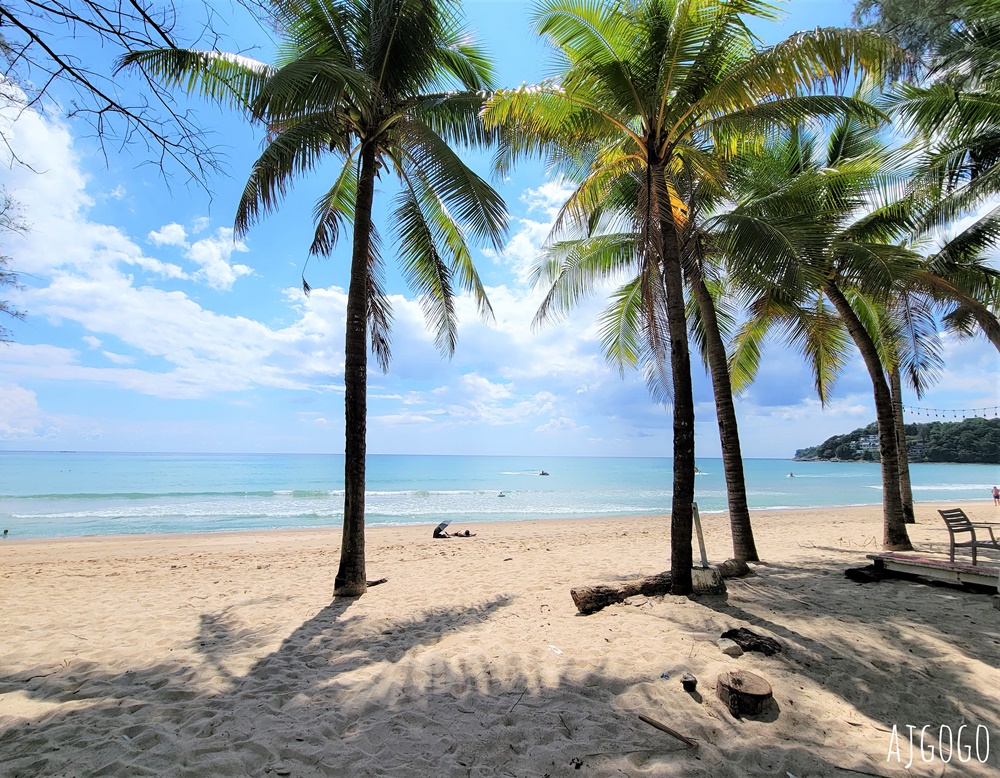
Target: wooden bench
x=958, y=522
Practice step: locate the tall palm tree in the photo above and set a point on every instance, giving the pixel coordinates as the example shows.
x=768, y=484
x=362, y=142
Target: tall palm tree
x=956, y=113
x=707, y=333
x=840, y=213
x=384, y=86
x=649, y=91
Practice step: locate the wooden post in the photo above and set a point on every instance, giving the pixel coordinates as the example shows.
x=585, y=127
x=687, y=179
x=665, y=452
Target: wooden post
x=701, y=537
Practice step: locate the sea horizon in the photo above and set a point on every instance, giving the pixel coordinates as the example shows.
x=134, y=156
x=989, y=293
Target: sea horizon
x=69, y=494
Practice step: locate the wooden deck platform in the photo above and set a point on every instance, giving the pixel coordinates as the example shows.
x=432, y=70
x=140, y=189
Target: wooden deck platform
x=938, y=569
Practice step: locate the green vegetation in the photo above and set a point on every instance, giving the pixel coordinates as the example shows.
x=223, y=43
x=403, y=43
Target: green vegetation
x=10, y=222
x=974, y=441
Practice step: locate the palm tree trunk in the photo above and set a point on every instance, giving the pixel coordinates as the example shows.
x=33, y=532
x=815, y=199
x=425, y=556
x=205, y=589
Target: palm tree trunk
x=894, y=536
x=905, y=488
x=681, y=513
x=351, y=578
x=744, y=547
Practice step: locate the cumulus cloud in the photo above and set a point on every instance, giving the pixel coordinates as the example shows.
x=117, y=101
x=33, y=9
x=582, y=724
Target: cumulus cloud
x=20, y=415
x=522, y=251
x=213, y=255
x=169, y=235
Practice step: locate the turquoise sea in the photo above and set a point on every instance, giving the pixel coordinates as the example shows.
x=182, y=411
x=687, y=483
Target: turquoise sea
x=69, y=494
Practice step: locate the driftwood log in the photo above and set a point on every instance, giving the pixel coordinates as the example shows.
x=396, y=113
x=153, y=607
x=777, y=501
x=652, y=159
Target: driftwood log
x=751, y=641
x=590, y=599
x=743, y=692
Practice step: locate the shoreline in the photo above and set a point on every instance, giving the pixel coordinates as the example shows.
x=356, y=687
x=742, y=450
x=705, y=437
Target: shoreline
x=226, y=655
x=967, y=504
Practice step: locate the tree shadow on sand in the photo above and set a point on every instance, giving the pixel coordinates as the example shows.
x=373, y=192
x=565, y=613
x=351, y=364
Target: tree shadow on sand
x=352, y=695
x=885, y=666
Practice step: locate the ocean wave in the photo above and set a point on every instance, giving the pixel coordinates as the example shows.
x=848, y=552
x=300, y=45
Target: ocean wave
x=135, y=495
x=952, y=487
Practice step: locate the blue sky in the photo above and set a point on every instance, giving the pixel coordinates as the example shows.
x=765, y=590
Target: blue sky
x=149, y=329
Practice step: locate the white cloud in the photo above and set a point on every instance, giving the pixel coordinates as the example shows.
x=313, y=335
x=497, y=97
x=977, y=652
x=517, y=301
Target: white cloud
x=396, y=419
x=547, y=198
x=522, y=251
x=200, y=224
x=91, y=341
x=20, y=416
x=213, y=255
x=118, y=193
x=482, y=390
x=118, y=359
x=562, y=424
x=168, y=235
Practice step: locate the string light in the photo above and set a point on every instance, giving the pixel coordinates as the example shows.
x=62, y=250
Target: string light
x=955, y=413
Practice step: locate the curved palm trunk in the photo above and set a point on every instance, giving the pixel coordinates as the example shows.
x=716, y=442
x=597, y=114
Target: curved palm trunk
x=351, y=578
x=905, y=488
x=894, y=536
x=744, y=547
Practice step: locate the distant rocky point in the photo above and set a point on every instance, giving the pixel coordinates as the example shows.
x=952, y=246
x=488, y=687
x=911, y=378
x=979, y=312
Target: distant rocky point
x=971, y=441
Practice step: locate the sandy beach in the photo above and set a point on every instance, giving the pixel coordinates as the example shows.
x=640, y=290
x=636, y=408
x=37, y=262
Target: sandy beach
x=223, y=655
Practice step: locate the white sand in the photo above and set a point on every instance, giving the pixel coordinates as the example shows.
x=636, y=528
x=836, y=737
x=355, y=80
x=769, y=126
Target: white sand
x=221, y=655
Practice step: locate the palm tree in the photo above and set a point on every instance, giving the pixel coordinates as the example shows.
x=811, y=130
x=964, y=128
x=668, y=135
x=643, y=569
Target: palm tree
x=956, y=113
x=706, y=330
x=650, y=91
x=839, y=216
x=384, y=86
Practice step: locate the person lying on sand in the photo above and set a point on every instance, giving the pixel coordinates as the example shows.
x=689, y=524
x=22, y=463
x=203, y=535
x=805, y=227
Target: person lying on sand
x=439, y=532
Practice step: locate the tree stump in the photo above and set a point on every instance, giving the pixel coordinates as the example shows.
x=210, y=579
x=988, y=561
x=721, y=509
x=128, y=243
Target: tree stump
x=734, y=568
x=744, y=693
x=589, y=599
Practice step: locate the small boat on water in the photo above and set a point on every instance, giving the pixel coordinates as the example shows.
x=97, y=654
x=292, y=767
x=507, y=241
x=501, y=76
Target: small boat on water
x=543, y=473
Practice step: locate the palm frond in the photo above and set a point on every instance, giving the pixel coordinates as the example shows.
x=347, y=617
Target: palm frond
x=476, y=205
x=229, y=79
x=574, y=268
x=425, y=270
x=379, y=308
x=294, y=151
x=335, y=209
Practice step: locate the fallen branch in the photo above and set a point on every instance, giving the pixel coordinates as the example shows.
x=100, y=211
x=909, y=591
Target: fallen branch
x=379, y=581
x=590, y=599
x=691, y=742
